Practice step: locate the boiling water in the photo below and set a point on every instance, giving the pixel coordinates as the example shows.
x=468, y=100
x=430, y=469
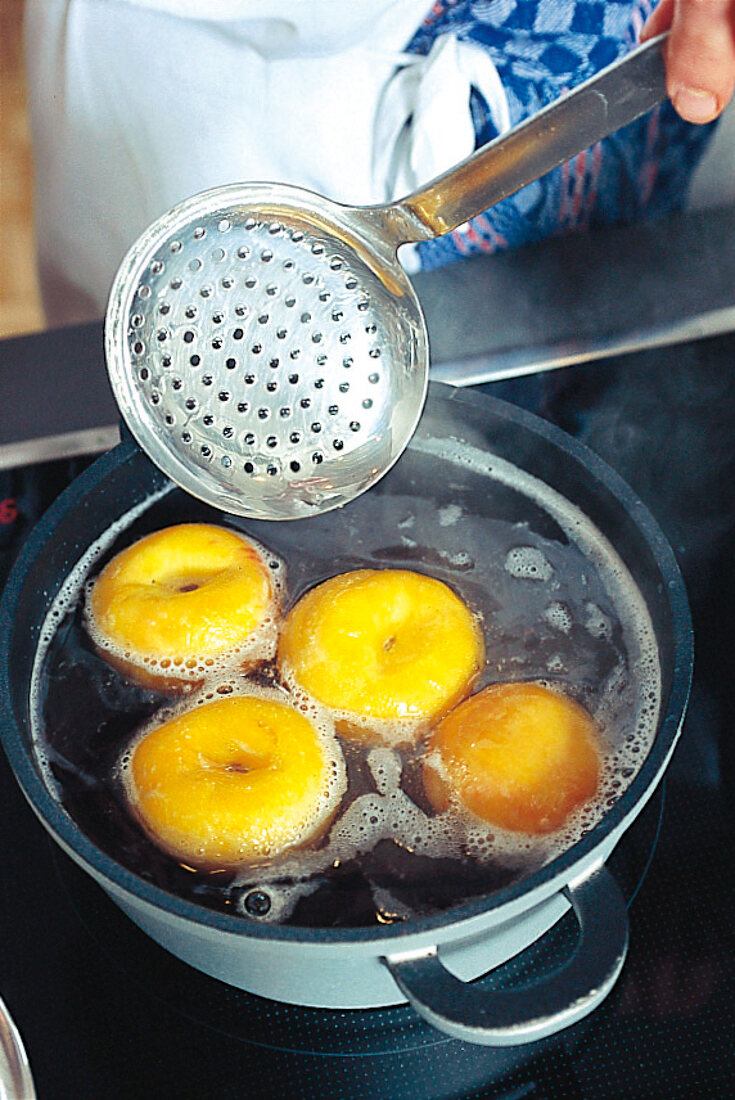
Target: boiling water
x=555, y=603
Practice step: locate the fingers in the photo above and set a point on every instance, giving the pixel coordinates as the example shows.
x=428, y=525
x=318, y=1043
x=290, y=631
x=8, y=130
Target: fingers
x=700, y=54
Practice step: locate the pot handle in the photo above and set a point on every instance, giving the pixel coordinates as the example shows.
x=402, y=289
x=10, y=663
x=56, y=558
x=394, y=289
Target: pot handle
x=512, y=1017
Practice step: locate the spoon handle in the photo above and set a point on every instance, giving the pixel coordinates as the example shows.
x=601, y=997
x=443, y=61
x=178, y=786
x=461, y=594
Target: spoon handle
x=612, y=98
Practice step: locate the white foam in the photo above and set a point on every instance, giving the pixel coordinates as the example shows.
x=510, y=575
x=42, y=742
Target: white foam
x=449, y=515
x=389, y=731
x=387, y=813
x=558, y=616
x=528, y=563
x=597, y=622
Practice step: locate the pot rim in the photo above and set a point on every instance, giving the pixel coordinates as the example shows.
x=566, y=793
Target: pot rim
x=562, y=868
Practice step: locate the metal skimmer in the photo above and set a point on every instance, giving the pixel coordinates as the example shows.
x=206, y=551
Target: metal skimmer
x=264, y=344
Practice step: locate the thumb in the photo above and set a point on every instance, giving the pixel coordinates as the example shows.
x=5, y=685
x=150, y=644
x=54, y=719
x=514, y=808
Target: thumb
x=700, y=54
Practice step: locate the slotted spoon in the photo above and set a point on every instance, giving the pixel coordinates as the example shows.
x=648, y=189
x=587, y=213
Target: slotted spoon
x=264, y=344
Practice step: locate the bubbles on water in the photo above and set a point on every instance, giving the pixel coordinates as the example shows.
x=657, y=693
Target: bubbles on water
x=559, y=617
x=597, y=622
x=66, y=599
x=528, y=563
x=449, y=515
x=385, y=767
x=389, y=731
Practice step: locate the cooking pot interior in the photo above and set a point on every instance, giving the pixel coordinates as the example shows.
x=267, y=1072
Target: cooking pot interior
x=455, y=468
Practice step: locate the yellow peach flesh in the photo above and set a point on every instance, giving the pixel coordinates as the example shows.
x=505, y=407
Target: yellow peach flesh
x=186, y=593
x=518, y=756
x=233, y=781
x=388, y=645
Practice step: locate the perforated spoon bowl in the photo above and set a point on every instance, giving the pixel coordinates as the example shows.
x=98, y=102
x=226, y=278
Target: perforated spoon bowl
x=264, y=344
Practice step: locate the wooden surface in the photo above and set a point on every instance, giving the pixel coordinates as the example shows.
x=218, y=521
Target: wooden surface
x=20, y=309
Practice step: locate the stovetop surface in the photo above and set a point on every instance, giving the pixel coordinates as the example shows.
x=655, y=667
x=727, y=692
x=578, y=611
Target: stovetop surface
x=106, y=1013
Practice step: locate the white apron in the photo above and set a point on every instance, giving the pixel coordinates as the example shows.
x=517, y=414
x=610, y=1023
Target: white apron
x=137, y=104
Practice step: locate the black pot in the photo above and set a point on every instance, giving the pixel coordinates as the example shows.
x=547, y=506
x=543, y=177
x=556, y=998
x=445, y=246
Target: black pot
x=490, y=461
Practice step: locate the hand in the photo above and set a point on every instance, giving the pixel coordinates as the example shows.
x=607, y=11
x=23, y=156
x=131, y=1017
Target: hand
x=700, y=54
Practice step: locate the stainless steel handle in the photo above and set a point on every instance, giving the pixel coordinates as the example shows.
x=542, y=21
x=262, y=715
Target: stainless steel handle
x=612, y=98
x=16, y=1082
x=516, y=1016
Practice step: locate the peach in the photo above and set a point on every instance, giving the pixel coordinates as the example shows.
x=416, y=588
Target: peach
x=387, y=651
x=519, y=756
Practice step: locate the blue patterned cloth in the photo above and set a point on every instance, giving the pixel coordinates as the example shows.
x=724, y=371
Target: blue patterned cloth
x=542, y=48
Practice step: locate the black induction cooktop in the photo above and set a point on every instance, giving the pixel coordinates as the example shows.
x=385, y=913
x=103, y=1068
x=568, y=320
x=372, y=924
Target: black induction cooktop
x=106, y=1013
